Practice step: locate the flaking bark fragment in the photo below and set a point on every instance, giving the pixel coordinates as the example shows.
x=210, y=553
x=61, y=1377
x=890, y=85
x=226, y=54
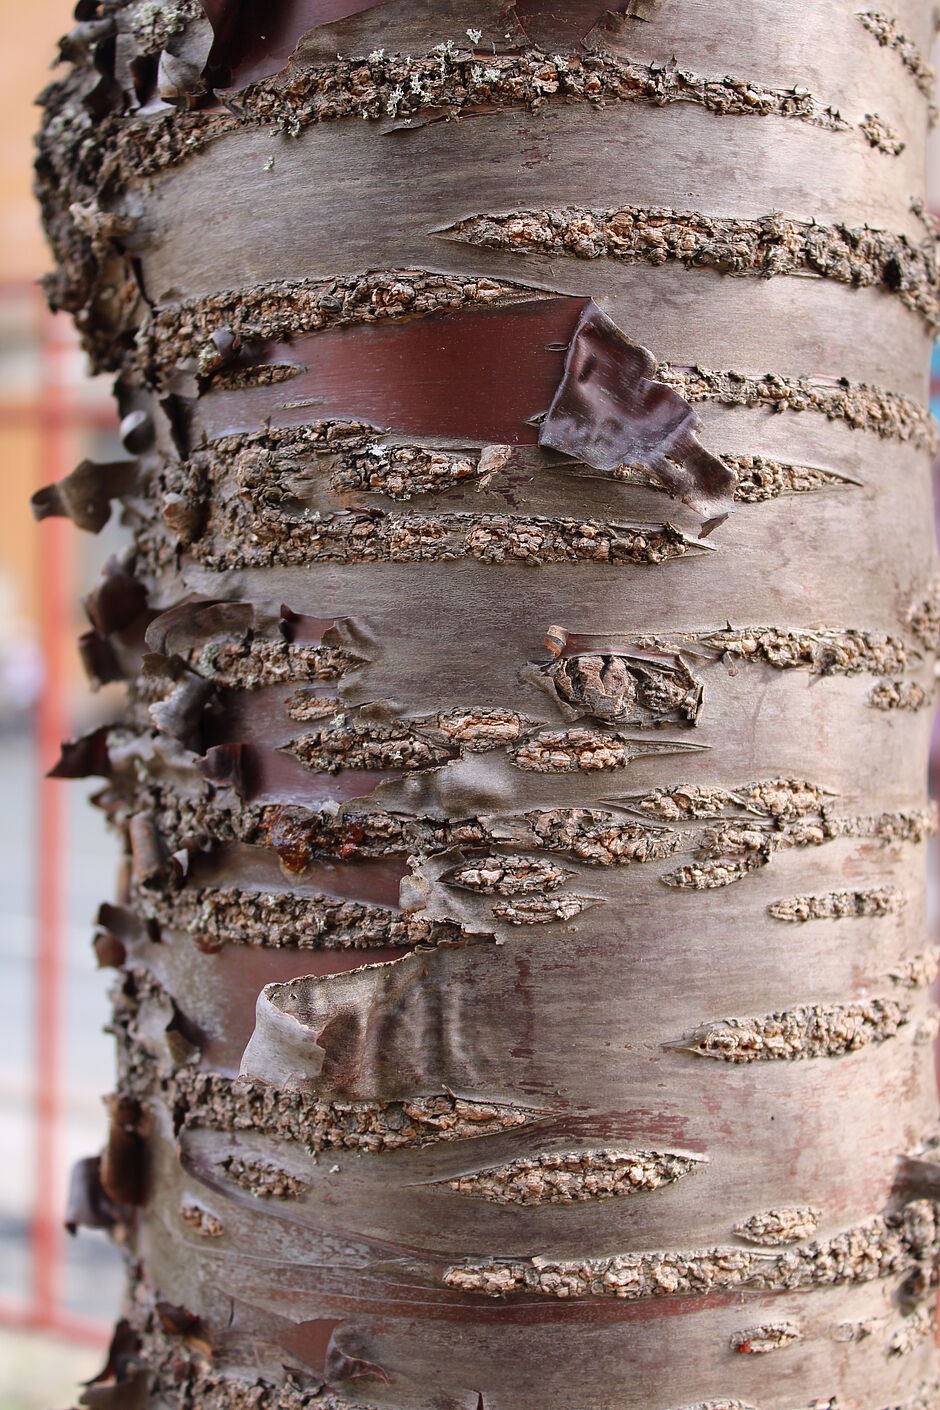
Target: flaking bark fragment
x=574, y=1177
x=85, y=496
x=630, y=688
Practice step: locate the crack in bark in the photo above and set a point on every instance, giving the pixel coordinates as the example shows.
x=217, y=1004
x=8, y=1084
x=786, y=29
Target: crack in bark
x=881, y=135
x=775, y=1227
x=176, y=334
x=573, y=1177
x=888, y=34
x=445, y=82
x=885, y=413
x=367, y=536
x=216, y=916
x=262, y=1179
x=885, y=1247
x=772, y=245
x=210, y=1101
x=808, y=1031
x=839, y=905
x=768, y=1337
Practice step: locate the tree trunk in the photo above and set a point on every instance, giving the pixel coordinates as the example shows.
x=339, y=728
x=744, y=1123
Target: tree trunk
x=524, y=994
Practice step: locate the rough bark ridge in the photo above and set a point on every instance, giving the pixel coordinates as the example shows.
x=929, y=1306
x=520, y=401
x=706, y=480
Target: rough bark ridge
x=523, y=990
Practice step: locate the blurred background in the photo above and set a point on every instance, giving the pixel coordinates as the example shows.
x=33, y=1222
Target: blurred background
x=58, y=1294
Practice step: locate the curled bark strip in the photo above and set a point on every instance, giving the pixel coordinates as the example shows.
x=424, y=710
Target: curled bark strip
x=609, y=411
x=89, y=1205
x=776, y=1227
x=85, y=495
x=772, y=245
x=384, y=1031
x=574, y=1177
x=811, y=1031
x=124, y=1161
x=257, y=45
x=85, y=757
x=119, y=599
x=883, y=1248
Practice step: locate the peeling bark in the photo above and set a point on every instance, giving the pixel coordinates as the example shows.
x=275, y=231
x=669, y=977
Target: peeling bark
x=488, y=797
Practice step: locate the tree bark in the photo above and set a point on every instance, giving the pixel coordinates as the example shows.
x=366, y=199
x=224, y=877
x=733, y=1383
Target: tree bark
x=524, y=978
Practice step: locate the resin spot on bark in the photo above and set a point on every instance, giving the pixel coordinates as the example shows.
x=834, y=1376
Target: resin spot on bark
x=573, y=1177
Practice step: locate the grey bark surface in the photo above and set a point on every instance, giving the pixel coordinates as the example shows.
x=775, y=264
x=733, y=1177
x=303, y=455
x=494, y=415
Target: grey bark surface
x=524, y=994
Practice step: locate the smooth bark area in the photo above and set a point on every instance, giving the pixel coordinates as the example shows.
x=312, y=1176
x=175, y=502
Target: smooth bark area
x=524, y=985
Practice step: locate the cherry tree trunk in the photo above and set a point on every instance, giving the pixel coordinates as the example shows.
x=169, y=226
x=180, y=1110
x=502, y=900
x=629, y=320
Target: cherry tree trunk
x=523, y=993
